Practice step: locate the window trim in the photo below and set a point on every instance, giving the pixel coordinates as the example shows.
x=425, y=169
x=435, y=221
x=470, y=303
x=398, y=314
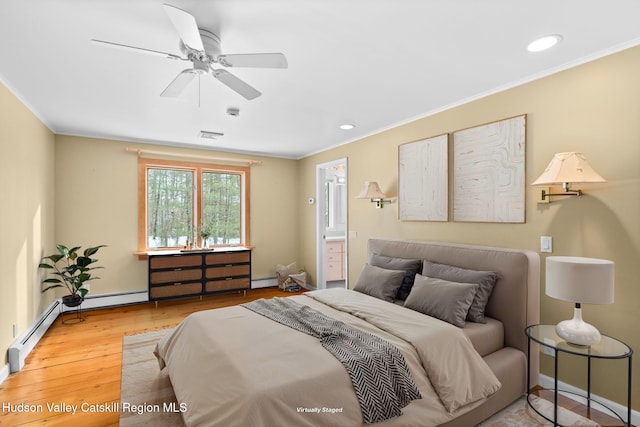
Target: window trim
x=144, y=164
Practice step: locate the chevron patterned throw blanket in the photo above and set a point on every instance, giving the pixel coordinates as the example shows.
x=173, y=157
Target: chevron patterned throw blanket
x=378, y=371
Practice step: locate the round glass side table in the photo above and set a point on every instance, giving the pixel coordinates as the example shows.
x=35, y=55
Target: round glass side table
x=607, y=348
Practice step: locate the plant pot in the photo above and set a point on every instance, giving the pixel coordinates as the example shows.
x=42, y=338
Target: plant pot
x=72, y=300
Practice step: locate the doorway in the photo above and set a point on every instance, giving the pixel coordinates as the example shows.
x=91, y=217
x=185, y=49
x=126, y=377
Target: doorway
x=331, y=224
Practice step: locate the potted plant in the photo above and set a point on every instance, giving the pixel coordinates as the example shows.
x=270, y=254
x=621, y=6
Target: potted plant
x=72, y=271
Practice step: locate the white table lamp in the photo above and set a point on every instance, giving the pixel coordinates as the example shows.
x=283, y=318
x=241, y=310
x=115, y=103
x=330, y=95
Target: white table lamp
x=579, y=280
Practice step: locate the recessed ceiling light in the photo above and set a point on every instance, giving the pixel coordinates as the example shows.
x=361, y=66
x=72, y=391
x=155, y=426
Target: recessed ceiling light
x=347, y=126
x=544, y=43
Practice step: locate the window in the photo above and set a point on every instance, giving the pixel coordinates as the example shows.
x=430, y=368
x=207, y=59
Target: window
x=184, y=201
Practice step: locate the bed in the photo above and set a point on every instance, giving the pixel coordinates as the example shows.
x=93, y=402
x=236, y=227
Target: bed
x=234, y=366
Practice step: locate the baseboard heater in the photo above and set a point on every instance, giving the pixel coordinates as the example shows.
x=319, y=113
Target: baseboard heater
x=26, y=342
x=111, y=300
x=21, y=348
x=265, y=282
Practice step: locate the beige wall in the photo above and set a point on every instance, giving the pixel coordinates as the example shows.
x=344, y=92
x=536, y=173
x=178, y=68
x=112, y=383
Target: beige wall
x=105, y=174
x=26, y=216
x=593, y=108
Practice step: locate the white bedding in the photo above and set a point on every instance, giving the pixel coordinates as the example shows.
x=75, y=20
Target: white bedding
x=232, y=366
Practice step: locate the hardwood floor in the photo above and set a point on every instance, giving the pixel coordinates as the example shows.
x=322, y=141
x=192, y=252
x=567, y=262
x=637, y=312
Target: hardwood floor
x=81, y=363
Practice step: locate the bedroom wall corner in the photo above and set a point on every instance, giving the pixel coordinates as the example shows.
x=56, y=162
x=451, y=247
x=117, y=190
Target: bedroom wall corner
x=27, y=217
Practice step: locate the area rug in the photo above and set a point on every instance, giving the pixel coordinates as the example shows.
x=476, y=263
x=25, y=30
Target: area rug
x=146, y=395
x=521, y=415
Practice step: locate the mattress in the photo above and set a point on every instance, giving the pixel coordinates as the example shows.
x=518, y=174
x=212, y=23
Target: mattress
x=485, y=337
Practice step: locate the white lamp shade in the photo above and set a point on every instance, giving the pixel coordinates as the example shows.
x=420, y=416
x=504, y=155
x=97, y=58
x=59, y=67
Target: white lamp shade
x=580, y=280
x=371, y=190
x=568, y=167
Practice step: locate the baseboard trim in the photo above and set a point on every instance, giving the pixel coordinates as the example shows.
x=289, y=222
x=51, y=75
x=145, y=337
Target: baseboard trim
x=575, y=393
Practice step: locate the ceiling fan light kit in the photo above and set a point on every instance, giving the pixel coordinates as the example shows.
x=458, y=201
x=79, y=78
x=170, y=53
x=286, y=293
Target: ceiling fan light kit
x=202, y=48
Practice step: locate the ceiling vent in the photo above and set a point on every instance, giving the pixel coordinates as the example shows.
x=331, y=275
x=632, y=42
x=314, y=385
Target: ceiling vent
x=210, y=135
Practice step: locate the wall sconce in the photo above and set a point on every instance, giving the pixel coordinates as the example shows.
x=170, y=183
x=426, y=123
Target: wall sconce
x=566, y=169
x=372, y=191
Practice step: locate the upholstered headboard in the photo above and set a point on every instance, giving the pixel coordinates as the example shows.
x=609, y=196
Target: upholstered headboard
x=515, y=300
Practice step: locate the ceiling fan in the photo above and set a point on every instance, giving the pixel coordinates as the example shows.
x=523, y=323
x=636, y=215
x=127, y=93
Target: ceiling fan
x=202, y=48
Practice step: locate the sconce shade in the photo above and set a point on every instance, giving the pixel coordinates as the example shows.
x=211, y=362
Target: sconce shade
x=580, y=280
x=568, y=167
x=371, y=190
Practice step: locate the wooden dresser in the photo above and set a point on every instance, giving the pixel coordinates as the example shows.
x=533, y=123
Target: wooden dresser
x=188, y=274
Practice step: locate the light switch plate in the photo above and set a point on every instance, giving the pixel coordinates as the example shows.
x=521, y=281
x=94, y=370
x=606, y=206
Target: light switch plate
x=546, y=244
x=548, y=350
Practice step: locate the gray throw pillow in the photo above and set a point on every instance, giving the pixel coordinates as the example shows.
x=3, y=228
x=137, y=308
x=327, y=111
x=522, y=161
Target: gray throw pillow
x=485, y=280
x=410, y=267
x=442, y=299
x=379, y=282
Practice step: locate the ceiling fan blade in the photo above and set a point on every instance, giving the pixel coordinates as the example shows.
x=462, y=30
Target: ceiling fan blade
x=257, y=60
x=236, y=84
x=178, y=84
x=186, y=26
x=135, y=49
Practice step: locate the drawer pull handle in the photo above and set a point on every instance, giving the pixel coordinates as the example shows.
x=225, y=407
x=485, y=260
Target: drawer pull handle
x=229, y=265
x=229, y=278
x=177, y=269
x=176, y=284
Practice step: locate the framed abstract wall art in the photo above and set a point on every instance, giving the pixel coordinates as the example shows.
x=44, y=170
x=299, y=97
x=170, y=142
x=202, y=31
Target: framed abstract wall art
x=423, y=179
x=489, y=172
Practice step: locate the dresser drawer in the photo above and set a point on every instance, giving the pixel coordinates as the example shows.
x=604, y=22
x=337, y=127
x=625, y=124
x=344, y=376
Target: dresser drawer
x=334, y=257
x=228, y=271
x=334, y=271
x=168, y=291
x=227, y=258
x=226, y=285
x=158, y=262
x=177, y=275
x=335, y=247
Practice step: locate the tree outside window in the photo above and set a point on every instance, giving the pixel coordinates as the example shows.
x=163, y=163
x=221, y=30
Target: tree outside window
x=190, y=202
